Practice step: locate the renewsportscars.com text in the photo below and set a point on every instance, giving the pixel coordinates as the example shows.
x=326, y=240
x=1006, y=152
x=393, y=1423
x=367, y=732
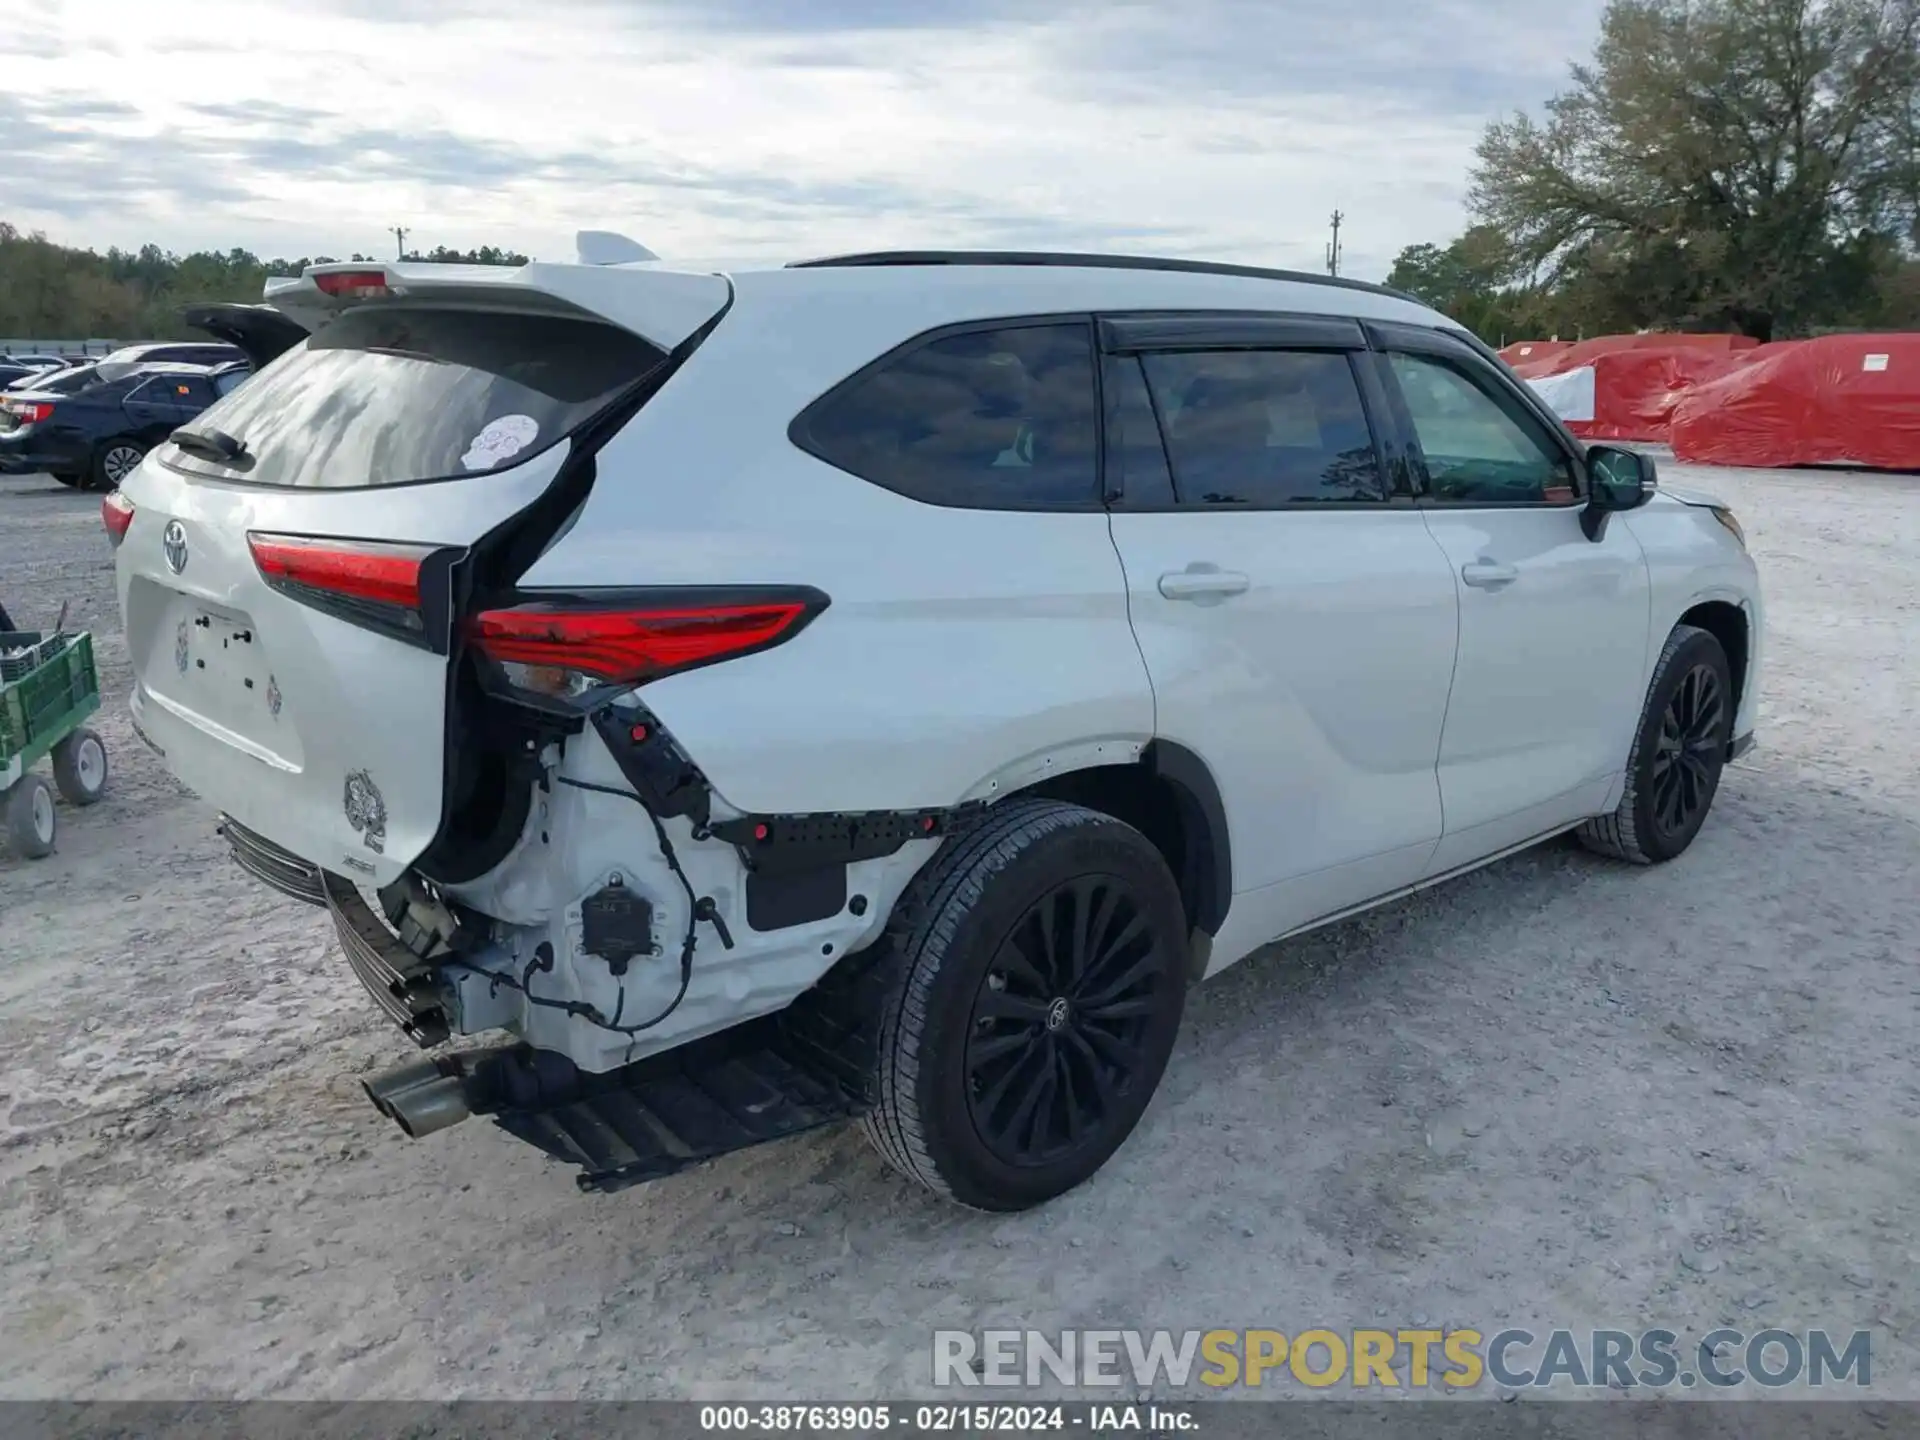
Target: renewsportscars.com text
x=1414, y=1358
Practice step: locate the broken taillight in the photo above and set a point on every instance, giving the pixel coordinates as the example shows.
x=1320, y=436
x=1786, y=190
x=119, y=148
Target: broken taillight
x=569, y=649
x=374, y=583
x=116, y=514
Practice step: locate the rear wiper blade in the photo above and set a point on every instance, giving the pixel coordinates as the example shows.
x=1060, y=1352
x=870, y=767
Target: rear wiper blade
x=210, y=444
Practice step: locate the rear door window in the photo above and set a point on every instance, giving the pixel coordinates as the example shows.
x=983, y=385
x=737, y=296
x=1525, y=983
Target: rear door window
x=388, y=394
x=991, y=419
x=1265, y=428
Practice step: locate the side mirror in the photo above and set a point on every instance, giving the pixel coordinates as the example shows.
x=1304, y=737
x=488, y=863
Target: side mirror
x=1616, y=480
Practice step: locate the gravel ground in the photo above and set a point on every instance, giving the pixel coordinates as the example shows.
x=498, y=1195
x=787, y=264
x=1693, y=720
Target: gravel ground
x=1558, y=1092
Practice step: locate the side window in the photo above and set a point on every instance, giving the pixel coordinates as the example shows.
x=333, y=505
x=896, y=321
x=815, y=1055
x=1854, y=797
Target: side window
x=1265, y=427
x=1479, y=448
x=1136, y=456
x=987, y=419
x=227, y=383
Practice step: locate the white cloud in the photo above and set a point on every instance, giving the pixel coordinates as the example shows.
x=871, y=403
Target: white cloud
x=1210, y=127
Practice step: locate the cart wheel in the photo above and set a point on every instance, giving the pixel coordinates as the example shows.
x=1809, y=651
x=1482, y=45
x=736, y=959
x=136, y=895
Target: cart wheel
x=80, y=767
x=30, y=817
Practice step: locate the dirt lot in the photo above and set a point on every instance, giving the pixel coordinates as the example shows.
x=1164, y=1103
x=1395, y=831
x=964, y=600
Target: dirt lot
x=1559, y=1092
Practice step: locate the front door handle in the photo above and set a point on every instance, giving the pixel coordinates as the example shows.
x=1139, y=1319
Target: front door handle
x=1203, y=583
x=1488, y=574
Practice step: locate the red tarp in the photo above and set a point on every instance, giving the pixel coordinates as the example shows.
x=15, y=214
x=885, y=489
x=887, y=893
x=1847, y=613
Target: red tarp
x=1635, y=387
x=1838, y=399
x=1524, y=352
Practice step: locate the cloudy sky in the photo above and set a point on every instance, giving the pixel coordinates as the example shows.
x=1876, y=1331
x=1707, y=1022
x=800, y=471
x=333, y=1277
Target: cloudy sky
x=771, y=129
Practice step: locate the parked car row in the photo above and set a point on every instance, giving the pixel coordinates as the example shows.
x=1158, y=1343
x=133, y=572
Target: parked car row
x=89, y=424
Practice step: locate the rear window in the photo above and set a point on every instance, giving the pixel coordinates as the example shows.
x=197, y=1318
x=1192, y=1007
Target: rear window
x=386, y=395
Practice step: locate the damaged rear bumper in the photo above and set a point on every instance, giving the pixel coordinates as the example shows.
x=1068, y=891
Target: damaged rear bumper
x=778, y=1075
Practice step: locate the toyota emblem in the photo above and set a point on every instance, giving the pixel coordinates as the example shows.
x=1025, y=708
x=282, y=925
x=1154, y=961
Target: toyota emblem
x=173, y=544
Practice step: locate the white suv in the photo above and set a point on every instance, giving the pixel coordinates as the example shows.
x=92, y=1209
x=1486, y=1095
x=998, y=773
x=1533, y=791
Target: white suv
x=880, y=686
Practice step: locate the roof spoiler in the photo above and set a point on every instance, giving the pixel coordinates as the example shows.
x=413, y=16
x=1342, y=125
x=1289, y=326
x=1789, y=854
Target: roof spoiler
x=661, y=306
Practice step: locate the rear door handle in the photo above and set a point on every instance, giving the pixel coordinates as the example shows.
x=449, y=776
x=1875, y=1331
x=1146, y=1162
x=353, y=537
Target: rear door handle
x=1203, y=583
x=1488, y=574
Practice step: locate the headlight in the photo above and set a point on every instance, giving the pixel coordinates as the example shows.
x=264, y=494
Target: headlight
x=1726, y=518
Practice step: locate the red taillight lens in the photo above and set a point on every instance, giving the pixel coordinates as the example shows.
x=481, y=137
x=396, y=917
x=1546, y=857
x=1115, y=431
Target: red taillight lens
x=116, y=513
x=353, y=284
x=569, y=649
x=30, y=412
x=374, y=583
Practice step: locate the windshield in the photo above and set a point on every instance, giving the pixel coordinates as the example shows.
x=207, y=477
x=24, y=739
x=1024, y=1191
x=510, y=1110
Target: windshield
x=389, y=394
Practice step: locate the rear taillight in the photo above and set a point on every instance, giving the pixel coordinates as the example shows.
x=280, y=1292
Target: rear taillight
x=569, y=650
x=30, y=412
x=374, y=583
x=116, y=513
x=353, y=284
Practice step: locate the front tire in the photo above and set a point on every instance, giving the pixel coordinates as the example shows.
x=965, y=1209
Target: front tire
x=1039, y=968
x=1678, y=753
x=30, y=820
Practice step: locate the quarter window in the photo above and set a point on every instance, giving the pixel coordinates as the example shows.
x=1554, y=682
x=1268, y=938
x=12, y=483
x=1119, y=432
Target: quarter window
x=999, y=419
x=1265, y=427
x=1478, y=450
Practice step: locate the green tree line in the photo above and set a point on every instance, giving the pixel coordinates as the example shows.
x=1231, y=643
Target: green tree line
x=1748, y=166
x=56, y=292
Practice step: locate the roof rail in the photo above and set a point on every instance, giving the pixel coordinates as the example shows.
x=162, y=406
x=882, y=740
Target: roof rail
x=1090, y=262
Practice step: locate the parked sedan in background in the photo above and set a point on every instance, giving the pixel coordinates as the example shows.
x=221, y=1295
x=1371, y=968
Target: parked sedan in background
x=95, y=434
x=15, y=368
x=91, y=424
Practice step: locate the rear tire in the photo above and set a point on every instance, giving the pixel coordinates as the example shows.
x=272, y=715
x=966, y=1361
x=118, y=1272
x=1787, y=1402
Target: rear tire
x=1035, y=972
x=1678, y=753
x=114, y=461
x=30, y=820
x=80, y=767
x=67, y=478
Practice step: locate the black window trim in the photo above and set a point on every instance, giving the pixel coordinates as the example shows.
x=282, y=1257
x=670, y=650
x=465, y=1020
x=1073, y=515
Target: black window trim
x=800, y=428
x=1188, y=331
x=1461, y=351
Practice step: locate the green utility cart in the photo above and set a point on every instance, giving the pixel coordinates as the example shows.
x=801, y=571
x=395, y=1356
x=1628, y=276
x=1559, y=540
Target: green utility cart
x=48, y=687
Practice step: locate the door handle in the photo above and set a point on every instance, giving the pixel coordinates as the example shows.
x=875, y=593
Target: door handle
x=1203, y=583
x=1488, y=574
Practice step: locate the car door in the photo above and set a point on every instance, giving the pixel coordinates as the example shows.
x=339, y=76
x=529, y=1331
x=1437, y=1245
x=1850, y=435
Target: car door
x=1296, y=618
x=1553, y=624
x=152, y=407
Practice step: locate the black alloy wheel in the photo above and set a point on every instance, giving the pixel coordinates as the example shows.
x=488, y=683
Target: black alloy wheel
x=1055, y=1036
x=1690, y=749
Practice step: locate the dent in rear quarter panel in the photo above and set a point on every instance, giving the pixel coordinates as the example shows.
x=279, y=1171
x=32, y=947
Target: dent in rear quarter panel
x=957, y=643
x=1692, y=559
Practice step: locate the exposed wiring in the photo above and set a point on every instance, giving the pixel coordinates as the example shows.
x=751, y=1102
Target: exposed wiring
x=697, y=910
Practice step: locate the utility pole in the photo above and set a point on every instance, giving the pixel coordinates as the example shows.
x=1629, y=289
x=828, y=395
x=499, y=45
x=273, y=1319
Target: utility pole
x=400, y=243
x=1333, y=245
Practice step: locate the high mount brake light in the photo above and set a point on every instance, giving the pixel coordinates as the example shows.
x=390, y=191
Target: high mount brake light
x=570, y=649
x=377, y=584
x=116, y=514
x=353, y=284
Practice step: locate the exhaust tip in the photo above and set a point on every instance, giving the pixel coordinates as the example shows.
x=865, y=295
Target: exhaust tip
x=423, y=1109
x=382, y=1088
